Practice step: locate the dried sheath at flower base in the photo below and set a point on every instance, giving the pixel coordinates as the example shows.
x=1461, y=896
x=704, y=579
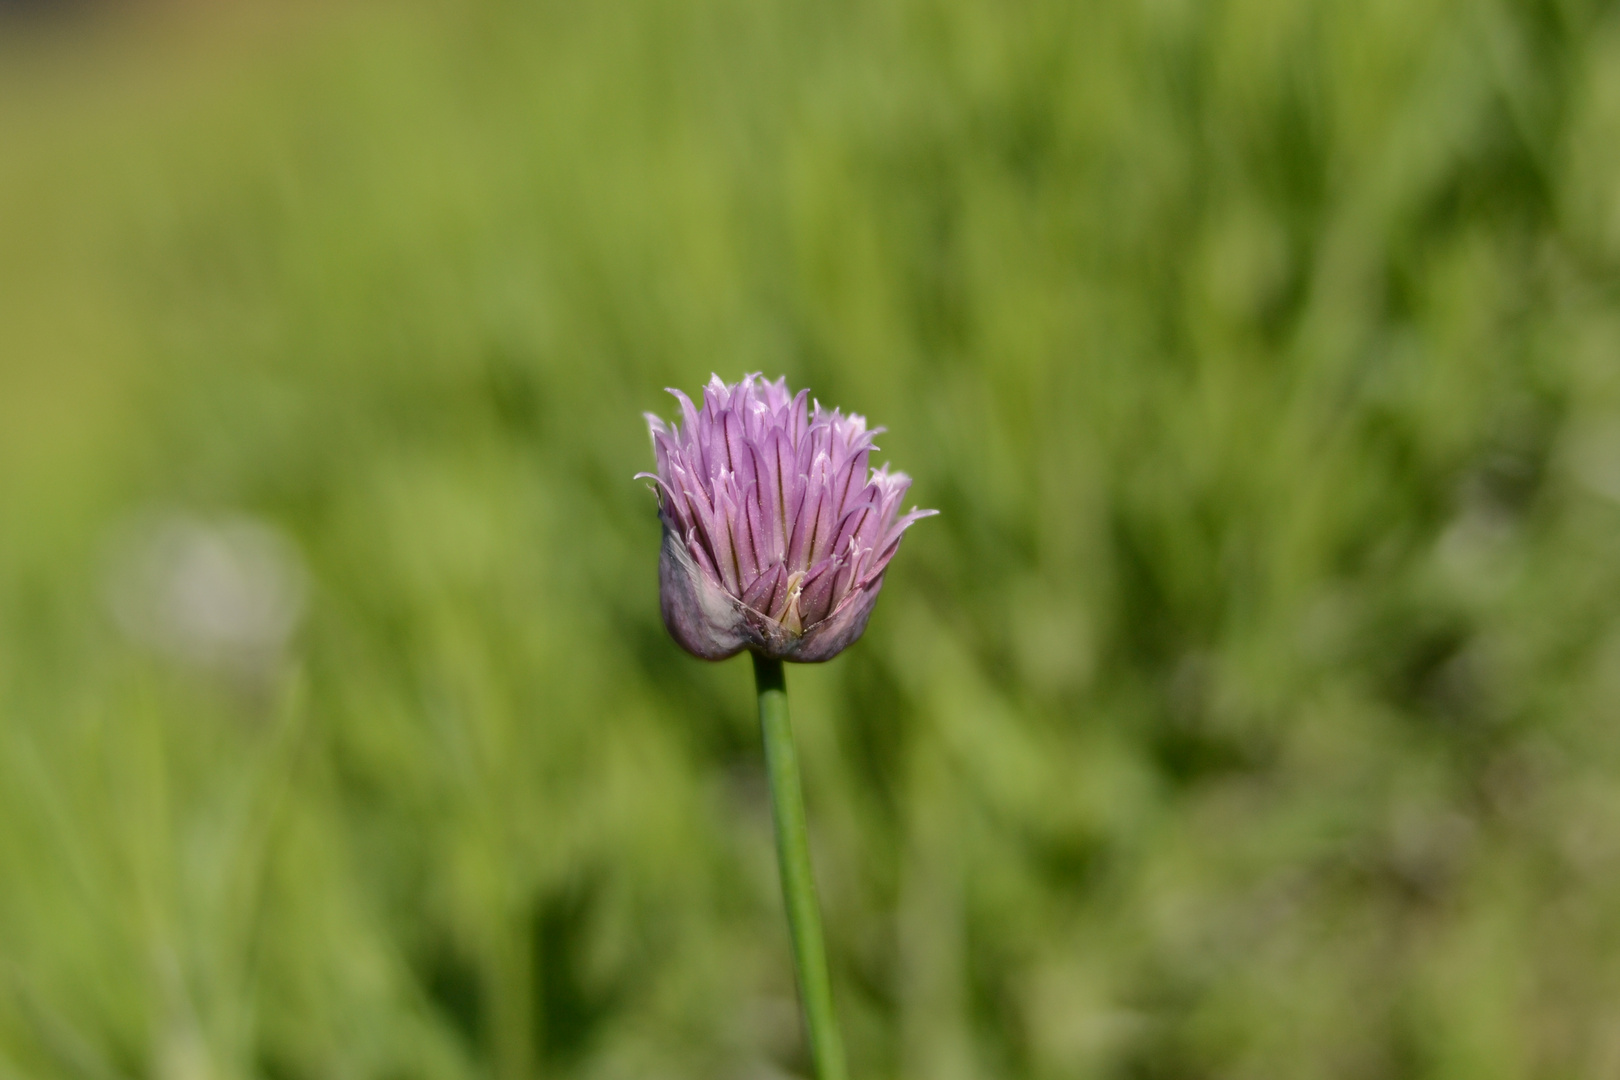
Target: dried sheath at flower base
x=776, y=532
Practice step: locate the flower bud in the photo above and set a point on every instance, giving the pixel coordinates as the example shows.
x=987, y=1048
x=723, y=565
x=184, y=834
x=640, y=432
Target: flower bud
x=776, y=532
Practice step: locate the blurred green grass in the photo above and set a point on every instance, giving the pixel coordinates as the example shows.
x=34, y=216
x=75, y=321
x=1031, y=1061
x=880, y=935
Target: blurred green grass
x=1248, y=712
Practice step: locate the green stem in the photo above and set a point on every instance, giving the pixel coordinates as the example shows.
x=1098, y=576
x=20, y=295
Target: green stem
x=798, y=889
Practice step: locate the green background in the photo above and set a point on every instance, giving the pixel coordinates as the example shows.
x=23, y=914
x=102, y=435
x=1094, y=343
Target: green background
x=1248, y=712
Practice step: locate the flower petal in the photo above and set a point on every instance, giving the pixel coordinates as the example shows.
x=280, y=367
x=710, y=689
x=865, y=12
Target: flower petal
x=763, y=594
x=817, y=599
x=839, y=630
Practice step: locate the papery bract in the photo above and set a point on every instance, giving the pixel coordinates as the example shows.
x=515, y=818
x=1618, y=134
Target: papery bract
x=776, y=531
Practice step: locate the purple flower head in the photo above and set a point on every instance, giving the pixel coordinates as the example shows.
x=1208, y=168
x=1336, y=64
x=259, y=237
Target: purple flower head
x=776, y=533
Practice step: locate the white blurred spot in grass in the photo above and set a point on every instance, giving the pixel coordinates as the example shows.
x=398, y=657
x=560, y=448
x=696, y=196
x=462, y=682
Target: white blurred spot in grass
x=222, y=594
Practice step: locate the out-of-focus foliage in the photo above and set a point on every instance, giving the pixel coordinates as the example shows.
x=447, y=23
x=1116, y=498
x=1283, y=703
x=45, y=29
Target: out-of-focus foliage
x=1248, y=712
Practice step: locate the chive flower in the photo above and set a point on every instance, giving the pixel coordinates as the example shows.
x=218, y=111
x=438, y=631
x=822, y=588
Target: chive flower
x=776, y=532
